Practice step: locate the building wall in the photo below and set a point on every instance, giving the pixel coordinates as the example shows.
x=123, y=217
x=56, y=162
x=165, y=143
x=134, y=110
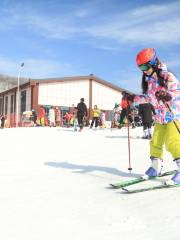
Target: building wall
x=8, y=96
x=63, y=93
x=104, y=96
x=28, y=100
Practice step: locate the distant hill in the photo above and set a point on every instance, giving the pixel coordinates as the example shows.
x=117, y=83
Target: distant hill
x=7, y=82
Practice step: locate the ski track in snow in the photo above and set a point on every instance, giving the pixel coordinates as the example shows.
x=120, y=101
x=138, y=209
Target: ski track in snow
x=54, y=184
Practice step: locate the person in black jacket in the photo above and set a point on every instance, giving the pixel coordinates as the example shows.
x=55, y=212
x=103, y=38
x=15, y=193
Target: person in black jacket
x=146, y=111
x=34, y=117
x=81, y=113
x=2, y=121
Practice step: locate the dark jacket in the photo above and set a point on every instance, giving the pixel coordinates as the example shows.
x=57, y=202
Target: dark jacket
x=145, y=111
x=2, y=121
x=81, y=109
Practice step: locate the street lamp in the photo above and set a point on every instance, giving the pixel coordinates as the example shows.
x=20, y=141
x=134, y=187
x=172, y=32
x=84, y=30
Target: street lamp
x=17, y=98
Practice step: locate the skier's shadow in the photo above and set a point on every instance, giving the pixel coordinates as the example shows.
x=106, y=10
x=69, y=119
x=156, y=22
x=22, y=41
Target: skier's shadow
x=83, y=169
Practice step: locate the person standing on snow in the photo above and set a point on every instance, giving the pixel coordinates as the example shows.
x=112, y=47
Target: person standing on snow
x=81, y=113
x=125, y=109
x=116, y=115
x=126, y=102
x=57, y=116
x=2, y=121
x=96, y=114
x=146, y=111
x=102, y=123
x=34, y=117
x=51, y=117
x=42, y=115
x=163, y=91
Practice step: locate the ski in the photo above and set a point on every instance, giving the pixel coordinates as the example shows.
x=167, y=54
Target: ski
x=126, y=183
x=164, y=186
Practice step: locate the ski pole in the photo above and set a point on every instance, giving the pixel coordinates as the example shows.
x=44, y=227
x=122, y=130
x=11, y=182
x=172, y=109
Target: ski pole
x=170, y=110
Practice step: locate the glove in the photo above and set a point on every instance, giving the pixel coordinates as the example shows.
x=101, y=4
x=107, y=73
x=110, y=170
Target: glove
x=163, y=95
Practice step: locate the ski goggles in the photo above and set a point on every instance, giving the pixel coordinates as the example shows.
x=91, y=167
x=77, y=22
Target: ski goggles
x=144, y=67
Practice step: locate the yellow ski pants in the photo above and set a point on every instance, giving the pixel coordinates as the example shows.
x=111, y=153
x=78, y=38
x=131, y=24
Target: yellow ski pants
x=165, y=134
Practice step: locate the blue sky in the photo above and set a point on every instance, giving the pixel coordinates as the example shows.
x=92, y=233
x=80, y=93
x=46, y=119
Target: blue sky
x=57, y=38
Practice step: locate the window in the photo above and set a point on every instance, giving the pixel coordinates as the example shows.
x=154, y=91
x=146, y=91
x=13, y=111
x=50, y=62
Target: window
x=23, y=101
x=6, y=105
x=12, y=104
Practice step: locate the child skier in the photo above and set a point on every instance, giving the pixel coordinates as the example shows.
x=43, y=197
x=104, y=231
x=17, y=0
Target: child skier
x=116, y=115
x=102, y=119
x=96, y=114
x=162, y=89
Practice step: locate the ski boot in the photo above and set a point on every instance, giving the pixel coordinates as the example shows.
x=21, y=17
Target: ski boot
x=120, y=125
x=176, y=177
x=149, y=133
x=149, y=136
x=155, y=169
x=145, y=134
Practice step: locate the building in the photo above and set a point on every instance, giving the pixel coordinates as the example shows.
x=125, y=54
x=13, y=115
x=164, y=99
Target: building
x=60, y=92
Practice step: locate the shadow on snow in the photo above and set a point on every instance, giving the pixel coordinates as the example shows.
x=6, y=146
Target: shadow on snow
x=89, y=169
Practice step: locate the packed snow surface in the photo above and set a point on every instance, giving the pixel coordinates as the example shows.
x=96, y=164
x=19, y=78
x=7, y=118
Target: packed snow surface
x=54, y=184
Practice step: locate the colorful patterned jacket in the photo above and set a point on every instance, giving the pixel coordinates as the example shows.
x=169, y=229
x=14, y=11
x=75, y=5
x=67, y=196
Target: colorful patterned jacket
x=163, y=115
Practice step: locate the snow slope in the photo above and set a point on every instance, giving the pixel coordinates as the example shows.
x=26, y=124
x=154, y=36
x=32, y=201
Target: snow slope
x=54, y=184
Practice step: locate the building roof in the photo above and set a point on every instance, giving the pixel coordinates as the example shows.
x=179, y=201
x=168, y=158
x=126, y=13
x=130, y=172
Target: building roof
x=25, y=82
x=81, y=78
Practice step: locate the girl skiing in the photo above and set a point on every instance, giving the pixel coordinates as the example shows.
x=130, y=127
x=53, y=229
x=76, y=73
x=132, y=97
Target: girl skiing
x=163, y=91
